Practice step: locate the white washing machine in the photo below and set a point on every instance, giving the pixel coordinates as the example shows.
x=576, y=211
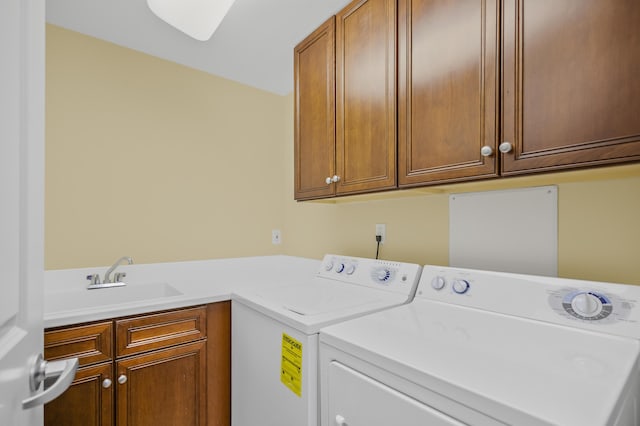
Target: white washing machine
x=274, y=332
x=482, y=348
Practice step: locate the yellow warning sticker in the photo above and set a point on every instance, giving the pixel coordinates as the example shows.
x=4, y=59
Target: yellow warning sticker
x=291, y=367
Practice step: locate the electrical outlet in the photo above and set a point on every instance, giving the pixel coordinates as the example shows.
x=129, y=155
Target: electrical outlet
x=381, y=229
x=276, y=237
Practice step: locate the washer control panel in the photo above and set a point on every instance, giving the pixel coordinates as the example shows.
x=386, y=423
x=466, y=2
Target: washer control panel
x=584, y=304
x=395, y=276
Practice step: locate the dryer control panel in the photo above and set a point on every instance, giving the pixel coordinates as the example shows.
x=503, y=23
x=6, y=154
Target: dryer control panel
x=397, y=277
x=584, y=304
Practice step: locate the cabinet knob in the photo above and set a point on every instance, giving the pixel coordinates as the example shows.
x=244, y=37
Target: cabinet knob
x=122, y=379
x=486, y=151
x=505, y=147
x=328, y=180
x=340, y=421
x=106, y=383
x=335, y=178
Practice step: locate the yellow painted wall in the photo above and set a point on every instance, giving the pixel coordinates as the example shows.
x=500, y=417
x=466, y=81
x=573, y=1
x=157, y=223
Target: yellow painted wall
x=164, y=163
x=154, y=160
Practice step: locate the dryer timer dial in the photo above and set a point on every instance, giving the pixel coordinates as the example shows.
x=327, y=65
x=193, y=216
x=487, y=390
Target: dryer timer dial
x=587, y=305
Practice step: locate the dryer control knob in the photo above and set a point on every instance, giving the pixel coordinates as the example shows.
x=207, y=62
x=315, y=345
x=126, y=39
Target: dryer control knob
x=438, y=282
x=460, y=286
x=586, y=304
x=350, y=269
x=340, y=268
x=328, y=266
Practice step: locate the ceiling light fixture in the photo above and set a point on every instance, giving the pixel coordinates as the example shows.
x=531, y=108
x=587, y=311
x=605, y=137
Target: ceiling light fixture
x=196, y=18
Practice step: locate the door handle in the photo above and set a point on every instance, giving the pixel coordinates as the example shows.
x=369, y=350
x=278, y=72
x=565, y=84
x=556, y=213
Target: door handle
x=64, y=371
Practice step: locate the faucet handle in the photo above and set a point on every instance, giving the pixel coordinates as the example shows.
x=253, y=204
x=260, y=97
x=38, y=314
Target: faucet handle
x=94, y=278
x=119, y=276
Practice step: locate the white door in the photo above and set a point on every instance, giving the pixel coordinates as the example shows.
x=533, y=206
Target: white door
x=22, y=215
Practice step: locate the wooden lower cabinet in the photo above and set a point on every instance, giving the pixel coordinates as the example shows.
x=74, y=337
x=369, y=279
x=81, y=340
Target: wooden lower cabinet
x=168, y=368
x=87, y=402
x=166, y=387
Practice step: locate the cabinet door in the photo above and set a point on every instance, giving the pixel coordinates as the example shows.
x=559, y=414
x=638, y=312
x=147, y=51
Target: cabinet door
x=314, y=148
x=87, y=402
x=366, y=96
x=447, y=90
x=571, y=92
x=165, y=387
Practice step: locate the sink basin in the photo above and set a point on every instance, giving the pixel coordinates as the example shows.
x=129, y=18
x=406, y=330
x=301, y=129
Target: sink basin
x=83, y=298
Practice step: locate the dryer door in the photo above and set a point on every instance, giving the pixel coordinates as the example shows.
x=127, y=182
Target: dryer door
x=357, y=400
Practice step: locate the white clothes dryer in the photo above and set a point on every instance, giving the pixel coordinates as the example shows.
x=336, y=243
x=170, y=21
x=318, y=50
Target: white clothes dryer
x=483, y=348
x=275, y=334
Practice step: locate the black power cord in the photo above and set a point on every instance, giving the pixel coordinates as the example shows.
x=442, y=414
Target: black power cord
x=378, y=239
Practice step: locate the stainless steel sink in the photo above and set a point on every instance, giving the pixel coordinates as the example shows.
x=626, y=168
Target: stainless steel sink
x=83, y=298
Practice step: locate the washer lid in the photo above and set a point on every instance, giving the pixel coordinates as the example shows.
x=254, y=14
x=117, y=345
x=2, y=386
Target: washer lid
x=516, y=370
x=319, y=299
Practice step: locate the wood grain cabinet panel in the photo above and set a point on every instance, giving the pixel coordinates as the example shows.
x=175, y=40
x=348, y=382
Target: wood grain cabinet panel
x=219, y=364
x=144, y=333
x=571, y=92
x=366, y=96
x=87, y=402
x=447, y=90
x=314, y=122
x=163, y=387
x=91, y=343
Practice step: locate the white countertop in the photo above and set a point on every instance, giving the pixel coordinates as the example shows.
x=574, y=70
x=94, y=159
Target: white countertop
x=67, y=301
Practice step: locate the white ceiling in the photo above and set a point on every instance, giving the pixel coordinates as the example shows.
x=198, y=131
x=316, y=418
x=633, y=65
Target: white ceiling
x=253, y=45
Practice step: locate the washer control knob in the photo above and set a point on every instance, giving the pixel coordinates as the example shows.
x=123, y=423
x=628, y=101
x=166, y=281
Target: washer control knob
x=586, y=304
x=383, y=275
x=340, y=268
x=460, y=286
x=328, y=266
x=438, y=282
x=350, y=269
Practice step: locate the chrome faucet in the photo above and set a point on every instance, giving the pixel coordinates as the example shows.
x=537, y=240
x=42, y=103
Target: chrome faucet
x=108, y=282
x=107, y=275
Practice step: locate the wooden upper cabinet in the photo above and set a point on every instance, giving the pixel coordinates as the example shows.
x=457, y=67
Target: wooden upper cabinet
x=447, y=90
x=366, y=96
x=314, y=97
x=571, y=83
